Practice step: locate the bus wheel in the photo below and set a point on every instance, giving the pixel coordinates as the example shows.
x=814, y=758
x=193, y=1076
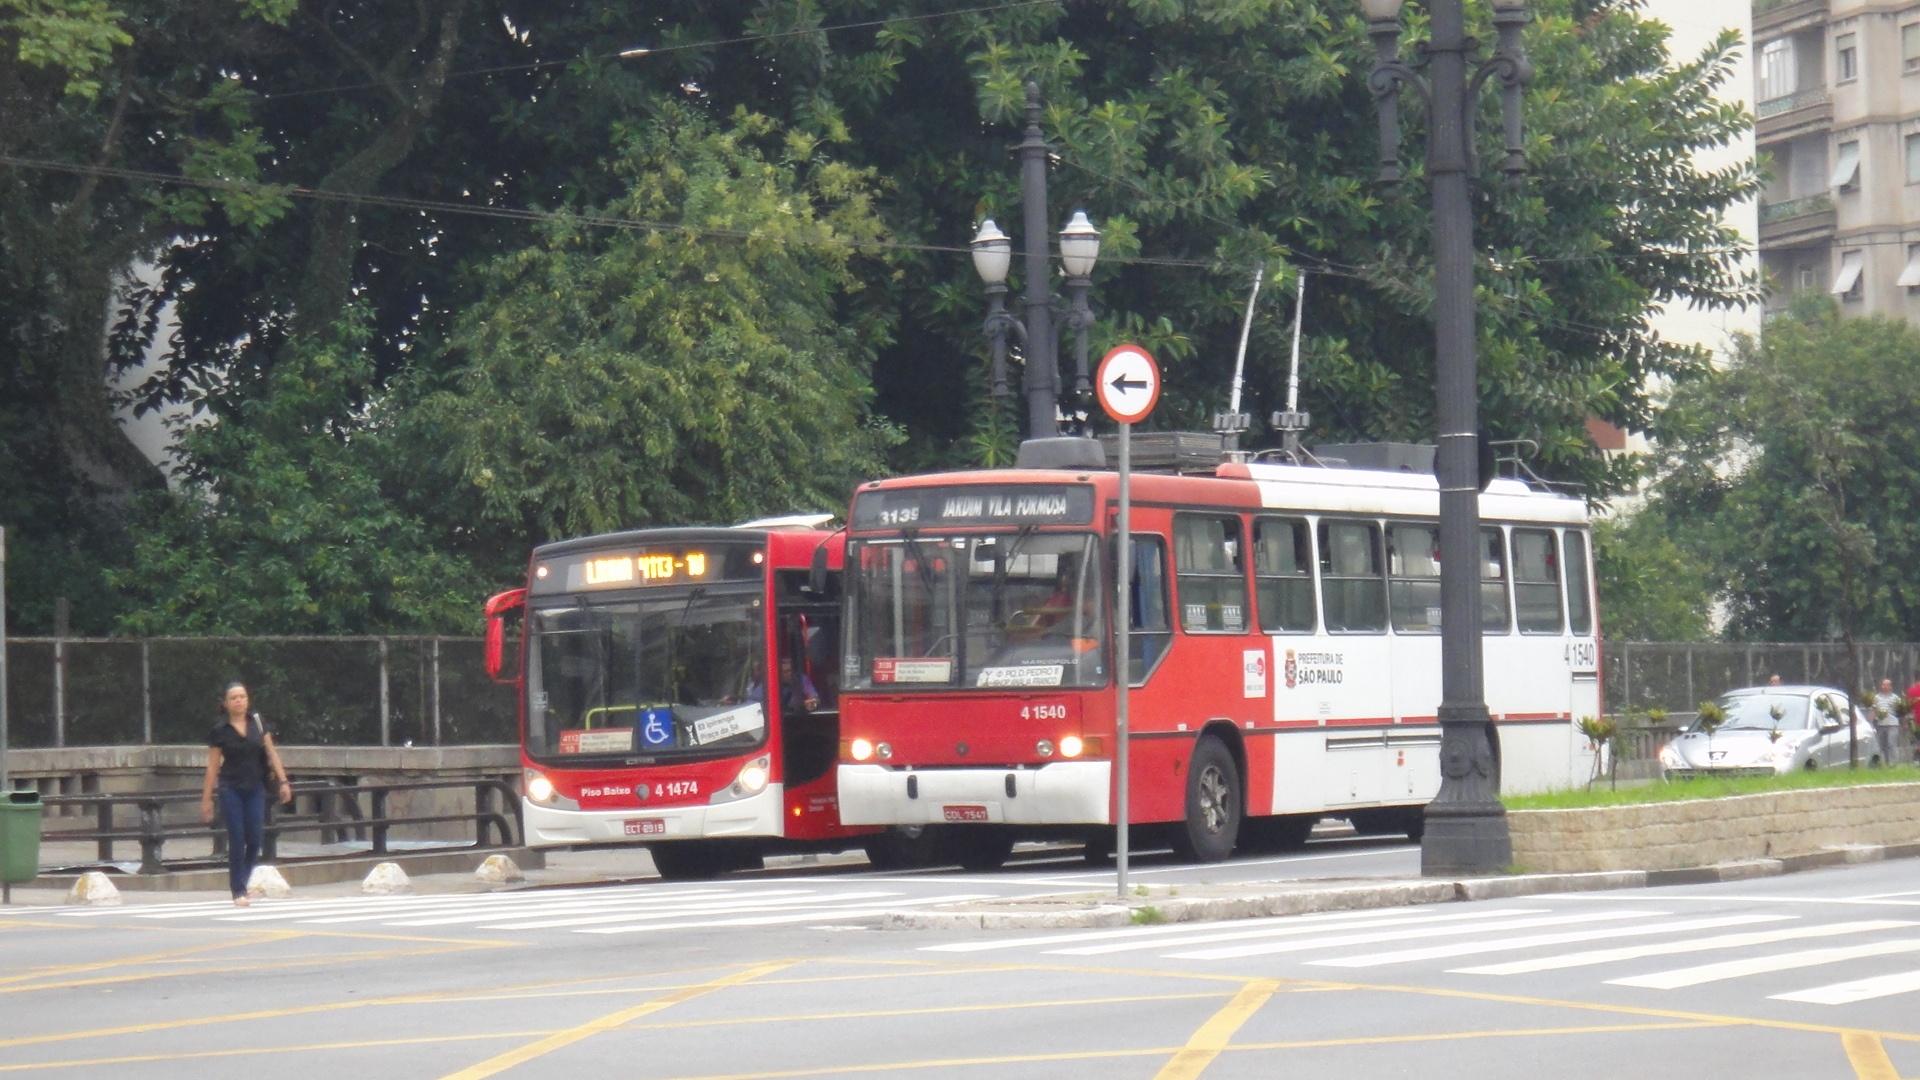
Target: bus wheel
x=1213, y=804
x=1100, y=847
x=982, y=848
x=904, y=847
x=687, y=860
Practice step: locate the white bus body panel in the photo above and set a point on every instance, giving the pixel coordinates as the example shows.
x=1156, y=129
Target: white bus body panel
x=756, y=815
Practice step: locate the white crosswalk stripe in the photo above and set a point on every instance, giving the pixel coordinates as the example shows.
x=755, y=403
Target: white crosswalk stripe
x=1353, y=939
x=607, y=910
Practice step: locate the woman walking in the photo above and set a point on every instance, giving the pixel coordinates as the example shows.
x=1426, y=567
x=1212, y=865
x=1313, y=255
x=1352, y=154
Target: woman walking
x=241, y=758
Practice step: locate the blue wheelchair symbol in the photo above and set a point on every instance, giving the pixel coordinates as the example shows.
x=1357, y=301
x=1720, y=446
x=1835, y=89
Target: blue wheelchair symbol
x=656, y=728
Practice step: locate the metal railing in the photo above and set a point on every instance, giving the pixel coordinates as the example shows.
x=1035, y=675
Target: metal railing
x=1677, y=676
x=1787, y=103
x=335, y=691
x=337, y=815
x=1793, y=208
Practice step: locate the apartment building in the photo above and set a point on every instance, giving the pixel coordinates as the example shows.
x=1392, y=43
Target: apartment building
x=1837, y=107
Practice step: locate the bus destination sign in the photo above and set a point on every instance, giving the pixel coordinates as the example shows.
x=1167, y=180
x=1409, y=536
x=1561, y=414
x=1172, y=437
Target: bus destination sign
x=639, y=568
x=1001, y=504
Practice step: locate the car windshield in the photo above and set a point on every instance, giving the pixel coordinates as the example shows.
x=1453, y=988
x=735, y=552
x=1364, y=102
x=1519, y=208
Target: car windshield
x=1765, y=712
x=669, y=673
x=1008, y=609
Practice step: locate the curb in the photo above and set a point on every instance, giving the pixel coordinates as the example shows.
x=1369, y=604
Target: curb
x=1087, y=911
x=317, y=872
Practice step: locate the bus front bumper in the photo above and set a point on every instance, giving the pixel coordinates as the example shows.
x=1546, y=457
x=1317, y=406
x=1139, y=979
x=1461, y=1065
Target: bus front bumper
x=1062, y=793
x=756, y=815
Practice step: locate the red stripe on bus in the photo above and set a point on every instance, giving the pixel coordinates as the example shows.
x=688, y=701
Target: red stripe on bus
x=1296, y=723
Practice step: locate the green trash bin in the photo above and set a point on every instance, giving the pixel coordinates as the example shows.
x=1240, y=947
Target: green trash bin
x=20, y=837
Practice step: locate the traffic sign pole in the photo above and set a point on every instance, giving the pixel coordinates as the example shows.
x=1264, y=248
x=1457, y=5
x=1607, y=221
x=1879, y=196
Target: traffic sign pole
x=1128, y=385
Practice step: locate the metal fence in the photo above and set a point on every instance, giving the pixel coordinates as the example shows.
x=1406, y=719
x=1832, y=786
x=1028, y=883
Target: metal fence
x=340, y=691
x=1677, y=676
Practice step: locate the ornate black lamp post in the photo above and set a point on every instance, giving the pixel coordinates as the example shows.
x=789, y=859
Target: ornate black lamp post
x=993, y=254
x=1466, y=827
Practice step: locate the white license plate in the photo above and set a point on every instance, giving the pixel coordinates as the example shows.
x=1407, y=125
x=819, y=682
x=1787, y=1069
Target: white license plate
x=964, y=813
x=646, y=826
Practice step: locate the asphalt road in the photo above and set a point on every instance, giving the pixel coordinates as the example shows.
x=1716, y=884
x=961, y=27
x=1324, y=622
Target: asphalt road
x=785, y=975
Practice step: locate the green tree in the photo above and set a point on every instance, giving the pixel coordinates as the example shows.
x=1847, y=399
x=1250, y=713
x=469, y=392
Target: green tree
x=696, y=363
x=1794, y=475
x=1651, y=587
x=289, y=520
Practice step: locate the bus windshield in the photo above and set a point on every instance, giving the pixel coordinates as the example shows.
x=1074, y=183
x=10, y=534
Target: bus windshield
x=667, y=673
x=1000, y=610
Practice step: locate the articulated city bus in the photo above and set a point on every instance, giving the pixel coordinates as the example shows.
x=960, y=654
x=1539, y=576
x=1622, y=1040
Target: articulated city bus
x=678, y=689
x=1284, y=657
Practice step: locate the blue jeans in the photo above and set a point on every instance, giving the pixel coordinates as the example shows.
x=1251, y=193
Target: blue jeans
x=245, y=813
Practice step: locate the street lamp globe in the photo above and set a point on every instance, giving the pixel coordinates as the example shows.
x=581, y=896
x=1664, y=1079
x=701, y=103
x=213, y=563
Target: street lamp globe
x=992, y=253
x=1079, y=245
x=1382, y=10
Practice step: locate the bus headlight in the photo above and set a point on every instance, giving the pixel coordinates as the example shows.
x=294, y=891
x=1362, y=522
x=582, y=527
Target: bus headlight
x=860, y=750
x=539, y=788
x=1071, y=746
x=753, y=777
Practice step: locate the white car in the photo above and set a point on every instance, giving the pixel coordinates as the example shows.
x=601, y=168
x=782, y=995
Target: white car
x=1769, y=731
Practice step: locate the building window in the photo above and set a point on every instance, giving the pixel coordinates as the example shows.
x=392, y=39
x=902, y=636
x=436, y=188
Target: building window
x=1846, y=58
x=1776, y=69
x=1910, y=277
x=1846, y=284
x=1913, y=158
x=1808, y=276
x=1910, y=47
x=1846, y=170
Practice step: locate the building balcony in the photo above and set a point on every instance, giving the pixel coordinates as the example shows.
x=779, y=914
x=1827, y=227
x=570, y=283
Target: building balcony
x=1771, y=18
x=1793, y=115
x=1796, y=221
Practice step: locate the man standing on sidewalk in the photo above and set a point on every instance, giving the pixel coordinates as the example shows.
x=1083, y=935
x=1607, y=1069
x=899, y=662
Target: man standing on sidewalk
x=1886, y=722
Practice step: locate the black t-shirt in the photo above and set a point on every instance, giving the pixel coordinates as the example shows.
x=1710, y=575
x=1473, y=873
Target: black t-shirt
x=243, y=758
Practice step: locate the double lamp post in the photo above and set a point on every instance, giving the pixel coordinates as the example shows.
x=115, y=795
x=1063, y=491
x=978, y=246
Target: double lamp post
x=1466, y=827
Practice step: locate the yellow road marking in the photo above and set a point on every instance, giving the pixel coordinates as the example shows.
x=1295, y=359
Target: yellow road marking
x=612, y=1020
x=1157, y=1051
x=1217, y=1032
x=1868, y=1056
x=251, y=966
x=52, y=971
x=309, y=1048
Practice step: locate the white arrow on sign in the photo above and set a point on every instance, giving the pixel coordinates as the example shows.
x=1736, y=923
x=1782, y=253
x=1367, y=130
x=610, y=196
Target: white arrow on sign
x=1128, y=383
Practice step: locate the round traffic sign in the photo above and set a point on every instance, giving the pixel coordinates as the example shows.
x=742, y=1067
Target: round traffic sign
x=1128, y=383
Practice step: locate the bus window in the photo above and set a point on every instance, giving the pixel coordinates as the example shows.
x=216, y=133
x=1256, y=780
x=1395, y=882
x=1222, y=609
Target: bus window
x=1283, y=575
x=1212, y=577
x=1536, y=581
x=1496, y=616
x=1353, y=593
x=1148, y=624
x=1413, y=586
x=1579, y=611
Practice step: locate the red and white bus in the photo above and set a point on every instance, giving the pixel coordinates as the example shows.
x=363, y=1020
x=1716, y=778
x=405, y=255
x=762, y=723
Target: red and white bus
x=678, y=689
x=1285, y=652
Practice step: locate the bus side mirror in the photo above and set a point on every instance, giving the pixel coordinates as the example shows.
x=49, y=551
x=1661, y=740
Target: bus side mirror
x=494, y=656
x=817, y=572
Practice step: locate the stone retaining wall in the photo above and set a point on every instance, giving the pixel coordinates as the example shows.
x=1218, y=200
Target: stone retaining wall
x=1672, y=835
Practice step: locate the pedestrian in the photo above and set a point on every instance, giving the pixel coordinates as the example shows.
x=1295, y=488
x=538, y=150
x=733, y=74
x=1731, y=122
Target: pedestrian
x=1886, y=721
x=1773, y=680
x=241, y=758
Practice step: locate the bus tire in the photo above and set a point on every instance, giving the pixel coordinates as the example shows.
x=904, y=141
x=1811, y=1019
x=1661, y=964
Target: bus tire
x=982, y=848
x=1214, y=810
x=688, y=860
x=903, y=847
x=1100, y=847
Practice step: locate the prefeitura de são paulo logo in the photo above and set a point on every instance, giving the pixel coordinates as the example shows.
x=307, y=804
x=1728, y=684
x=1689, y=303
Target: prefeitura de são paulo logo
x=1292, y=669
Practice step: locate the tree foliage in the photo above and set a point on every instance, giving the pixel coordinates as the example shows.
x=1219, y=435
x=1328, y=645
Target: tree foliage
x=1793, y=476
x=1651, y=587
x=545, y=378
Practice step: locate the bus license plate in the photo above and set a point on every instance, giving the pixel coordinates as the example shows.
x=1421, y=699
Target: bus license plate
x=964, y=813
x=646, y=826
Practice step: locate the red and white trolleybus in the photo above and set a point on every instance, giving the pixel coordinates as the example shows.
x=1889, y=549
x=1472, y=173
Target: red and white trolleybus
x=1285, y=652
x=678, y=688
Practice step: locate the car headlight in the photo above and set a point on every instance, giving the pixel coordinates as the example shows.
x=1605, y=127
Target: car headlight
x=1669, y=757
x=753, y=776
x=539, y=788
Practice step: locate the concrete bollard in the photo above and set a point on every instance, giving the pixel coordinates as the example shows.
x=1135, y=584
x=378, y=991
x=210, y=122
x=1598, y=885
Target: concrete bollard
x=94, y=889
x=498, y=870
x=385, y=879
x=268, y=882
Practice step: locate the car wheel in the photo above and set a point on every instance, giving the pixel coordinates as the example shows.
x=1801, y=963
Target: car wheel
x=1212, y=824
